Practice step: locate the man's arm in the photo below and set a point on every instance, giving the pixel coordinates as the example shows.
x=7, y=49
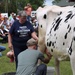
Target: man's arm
x=47, y=58
x=34, y=36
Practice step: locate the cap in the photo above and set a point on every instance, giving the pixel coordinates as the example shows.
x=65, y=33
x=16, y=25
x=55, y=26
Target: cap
x=31, y=42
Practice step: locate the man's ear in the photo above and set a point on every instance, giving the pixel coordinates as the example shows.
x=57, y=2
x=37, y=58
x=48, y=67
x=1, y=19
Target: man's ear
x=35, y=47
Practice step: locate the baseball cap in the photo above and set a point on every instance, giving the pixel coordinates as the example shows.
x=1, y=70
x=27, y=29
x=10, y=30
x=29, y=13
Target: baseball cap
x=31, y=42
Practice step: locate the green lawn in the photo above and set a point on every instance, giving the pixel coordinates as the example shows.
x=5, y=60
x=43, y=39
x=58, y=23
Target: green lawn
x=65, y=67
x=6, y=66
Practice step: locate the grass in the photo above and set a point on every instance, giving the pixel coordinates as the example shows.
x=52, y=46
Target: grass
x=65, y=67
x=6, y=66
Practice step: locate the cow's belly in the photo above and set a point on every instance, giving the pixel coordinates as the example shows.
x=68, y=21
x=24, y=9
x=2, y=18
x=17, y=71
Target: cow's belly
x=58, y=45
x=59, y=48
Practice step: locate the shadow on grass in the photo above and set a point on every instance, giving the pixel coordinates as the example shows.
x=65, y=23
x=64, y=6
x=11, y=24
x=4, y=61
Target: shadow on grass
x=9, y=73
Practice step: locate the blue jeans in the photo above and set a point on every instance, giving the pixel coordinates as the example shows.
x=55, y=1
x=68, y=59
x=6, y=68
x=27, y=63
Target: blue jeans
x=2, y=48
x=41, y=70
x=18, y=50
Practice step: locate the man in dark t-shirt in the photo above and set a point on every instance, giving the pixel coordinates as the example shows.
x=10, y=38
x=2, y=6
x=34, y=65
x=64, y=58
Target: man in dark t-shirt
x=20, y=32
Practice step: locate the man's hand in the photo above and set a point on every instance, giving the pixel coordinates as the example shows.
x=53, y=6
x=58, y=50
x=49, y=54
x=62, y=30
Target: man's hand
x=48, y=57
x=48, y=53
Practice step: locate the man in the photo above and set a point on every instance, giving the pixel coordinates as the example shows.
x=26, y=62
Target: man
x=13, y=19
x=27, y=60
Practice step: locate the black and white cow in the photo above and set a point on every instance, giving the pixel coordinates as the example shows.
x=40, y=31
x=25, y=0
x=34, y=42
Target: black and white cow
x=57, y=32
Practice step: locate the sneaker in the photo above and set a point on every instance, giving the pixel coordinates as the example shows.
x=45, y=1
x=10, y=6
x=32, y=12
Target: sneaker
x=0, y=54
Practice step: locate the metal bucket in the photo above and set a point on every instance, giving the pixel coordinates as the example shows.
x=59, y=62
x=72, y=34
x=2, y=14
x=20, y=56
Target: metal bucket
x=50, y=70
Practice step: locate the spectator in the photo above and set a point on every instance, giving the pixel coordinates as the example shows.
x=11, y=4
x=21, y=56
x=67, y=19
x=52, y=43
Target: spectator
x=28, y=10
x=6, y=23
x=35, y=24
x=2, y=48
x=27, y=60
x=11, y=16
x=3, y=34
x=20, y=32
x=13, y=19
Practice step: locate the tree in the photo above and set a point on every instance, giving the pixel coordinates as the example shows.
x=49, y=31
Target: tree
x=2, y=6
x=57, y=1
x=64, y=3
x=14, y=5
x=35, y=3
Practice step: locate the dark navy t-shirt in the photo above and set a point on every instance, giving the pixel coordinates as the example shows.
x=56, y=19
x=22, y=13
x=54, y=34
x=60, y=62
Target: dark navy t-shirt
x=21, y=33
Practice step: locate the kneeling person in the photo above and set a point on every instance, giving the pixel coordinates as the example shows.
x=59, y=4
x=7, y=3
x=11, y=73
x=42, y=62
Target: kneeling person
x=27, y=60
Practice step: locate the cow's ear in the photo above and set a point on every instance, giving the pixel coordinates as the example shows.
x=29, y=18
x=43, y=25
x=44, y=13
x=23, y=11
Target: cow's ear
x=45, y=16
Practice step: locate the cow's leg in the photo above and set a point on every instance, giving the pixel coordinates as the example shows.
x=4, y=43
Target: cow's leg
x=57, y=68
x=72, y=60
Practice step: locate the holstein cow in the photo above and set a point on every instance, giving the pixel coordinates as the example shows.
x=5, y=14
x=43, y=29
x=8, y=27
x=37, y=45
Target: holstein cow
x=57, y=32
